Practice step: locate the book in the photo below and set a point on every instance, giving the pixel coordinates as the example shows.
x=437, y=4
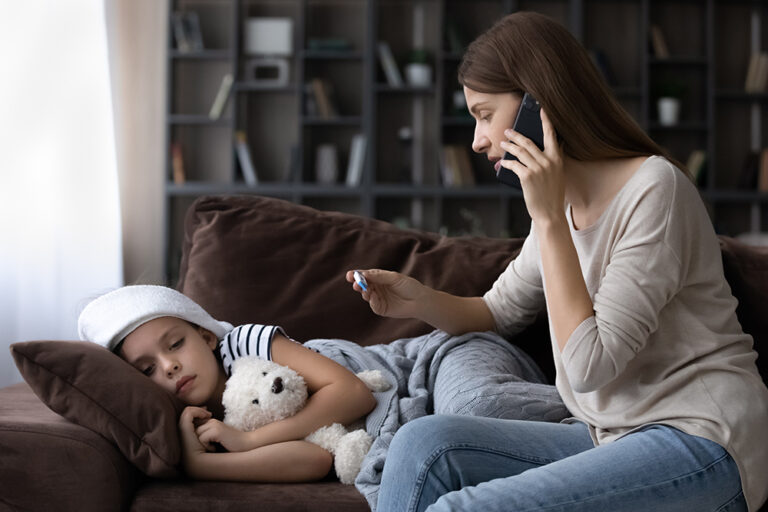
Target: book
x=221, y=97
x=356, y=160
x=323, y=100
x=466, y=173
x=761, y=75
x=449, y=166
x=177, y=164
x=696, y=164
x=191, y=23
x=180, y=33
x=326, y=164
x=186, y=31
x=749, y=171
x=600, y=59
x=658, y=42
x=751, y=78
x=391, y=71
x=762, y=174
x=245, y=160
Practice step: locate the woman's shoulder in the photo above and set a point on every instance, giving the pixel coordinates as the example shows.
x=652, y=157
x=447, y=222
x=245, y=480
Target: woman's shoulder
x=659, y=180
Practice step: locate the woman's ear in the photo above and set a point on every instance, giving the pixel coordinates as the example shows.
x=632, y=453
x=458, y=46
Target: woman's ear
x=210, y=339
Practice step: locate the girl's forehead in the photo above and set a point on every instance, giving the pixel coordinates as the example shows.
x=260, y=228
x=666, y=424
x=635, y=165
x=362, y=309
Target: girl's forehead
x=150, y=334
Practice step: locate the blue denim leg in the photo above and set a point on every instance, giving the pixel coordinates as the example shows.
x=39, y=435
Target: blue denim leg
x=434, y=455
x=486, y=464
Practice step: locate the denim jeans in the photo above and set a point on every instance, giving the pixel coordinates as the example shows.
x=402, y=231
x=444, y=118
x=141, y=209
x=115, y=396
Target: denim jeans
x=459, y=463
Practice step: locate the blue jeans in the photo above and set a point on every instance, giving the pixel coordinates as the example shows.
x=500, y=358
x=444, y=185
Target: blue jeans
x=460, y=463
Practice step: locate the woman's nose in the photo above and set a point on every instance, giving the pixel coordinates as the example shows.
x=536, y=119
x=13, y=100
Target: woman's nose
x=479, y=142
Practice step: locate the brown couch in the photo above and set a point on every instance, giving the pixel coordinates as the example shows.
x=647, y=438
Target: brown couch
x=247, y=259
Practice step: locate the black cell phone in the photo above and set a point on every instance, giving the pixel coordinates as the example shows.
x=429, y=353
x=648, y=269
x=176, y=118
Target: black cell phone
x=527, y=122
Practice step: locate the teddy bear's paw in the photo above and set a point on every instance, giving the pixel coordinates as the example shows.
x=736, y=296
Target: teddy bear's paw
x=329, y=437
x=349, y=455
x=375, y=380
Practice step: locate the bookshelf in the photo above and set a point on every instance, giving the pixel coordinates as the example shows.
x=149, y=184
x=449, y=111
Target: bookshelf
x=335, y=42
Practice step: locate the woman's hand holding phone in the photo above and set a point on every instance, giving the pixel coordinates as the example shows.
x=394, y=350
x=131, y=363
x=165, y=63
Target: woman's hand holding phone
x=540, y=171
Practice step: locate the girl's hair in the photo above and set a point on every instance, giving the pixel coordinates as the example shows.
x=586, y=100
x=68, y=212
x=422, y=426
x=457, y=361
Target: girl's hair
x=530, y=52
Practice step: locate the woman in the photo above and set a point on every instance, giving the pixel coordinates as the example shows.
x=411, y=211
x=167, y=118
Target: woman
x=669, y=411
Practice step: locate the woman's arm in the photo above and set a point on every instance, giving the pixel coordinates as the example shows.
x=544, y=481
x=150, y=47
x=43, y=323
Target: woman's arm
x=398, y=296
x=541, y=176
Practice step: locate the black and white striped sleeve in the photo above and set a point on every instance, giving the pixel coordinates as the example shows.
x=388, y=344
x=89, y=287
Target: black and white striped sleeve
x=247, y=340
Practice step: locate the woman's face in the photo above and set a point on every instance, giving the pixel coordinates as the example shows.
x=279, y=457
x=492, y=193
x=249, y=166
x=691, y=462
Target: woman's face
x=175, y=355
x=493, y=114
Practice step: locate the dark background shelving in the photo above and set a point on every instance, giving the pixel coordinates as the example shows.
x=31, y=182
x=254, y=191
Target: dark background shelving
x=710, y=42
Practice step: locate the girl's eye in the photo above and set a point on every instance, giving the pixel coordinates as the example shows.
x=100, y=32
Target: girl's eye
x=178, y=343
x=148, y=370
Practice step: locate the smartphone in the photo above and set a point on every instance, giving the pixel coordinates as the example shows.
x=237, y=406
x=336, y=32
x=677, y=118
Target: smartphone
x=527, y=122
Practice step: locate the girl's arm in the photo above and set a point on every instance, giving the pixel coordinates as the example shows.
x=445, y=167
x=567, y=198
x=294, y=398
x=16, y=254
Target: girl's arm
x=336, y=395
x=398, y=296
x=292, y=461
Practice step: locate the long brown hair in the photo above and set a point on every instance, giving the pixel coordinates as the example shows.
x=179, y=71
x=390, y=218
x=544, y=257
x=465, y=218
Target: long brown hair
x=527, y=51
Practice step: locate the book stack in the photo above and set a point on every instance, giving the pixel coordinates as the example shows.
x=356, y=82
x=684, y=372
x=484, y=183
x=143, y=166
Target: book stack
x=319, y=100
x=389, y=65
x=356, y=160
x=757, y=73
x=754, y=173
x=658, y=43
x=222, y=95
x=245, y=160
x=455, y=166
x=696, y=165
x=186, y=31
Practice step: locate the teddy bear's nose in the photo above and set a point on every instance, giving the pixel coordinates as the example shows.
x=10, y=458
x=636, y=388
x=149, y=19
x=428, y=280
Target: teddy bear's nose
x=277, y=385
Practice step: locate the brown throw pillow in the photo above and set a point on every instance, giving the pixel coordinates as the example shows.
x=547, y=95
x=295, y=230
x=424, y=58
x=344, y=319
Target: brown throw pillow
x=251, y=259
x=746, y=269
x=92, y=387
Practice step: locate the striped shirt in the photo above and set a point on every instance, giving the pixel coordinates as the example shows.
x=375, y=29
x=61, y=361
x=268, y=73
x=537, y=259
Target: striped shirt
x=247, y=340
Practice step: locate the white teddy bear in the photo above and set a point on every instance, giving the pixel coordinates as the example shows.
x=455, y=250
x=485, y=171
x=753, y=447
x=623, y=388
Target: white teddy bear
x=259, y=392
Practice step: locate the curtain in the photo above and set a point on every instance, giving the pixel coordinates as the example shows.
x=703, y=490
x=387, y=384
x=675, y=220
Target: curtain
x=60, y=234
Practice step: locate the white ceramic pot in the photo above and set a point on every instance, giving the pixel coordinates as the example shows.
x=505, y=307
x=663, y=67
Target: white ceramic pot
x=418, y=74
x=669, y=111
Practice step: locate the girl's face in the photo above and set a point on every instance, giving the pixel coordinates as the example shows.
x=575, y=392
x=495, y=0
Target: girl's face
x=177, y=356
x=493, y=114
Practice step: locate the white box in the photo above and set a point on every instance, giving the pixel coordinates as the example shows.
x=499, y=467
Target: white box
x=269, y=36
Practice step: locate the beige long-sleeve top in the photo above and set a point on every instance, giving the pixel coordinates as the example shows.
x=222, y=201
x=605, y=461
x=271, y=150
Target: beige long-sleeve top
x=664, y=344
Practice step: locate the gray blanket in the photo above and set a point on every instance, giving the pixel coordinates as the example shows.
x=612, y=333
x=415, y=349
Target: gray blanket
x=476, y=374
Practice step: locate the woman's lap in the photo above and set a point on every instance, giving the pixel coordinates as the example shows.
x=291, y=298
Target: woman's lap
x=488, y=464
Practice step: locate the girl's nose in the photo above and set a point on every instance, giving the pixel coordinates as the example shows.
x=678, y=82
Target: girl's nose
x=171, y=368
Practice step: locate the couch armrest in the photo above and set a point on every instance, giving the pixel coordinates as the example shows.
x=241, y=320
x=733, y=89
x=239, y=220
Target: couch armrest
x=49, y=463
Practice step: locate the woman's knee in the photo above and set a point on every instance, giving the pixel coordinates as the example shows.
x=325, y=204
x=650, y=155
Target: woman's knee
x=419, y=439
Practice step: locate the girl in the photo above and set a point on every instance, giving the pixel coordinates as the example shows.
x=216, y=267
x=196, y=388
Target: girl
x=669, y=411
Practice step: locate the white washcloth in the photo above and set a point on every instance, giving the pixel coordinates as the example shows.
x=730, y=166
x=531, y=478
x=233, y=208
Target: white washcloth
x=113, y=316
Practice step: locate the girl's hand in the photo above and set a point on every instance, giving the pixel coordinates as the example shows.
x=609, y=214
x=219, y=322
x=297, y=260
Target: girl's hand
x=390, y=293
x=540, y=172
x=214, y=431
x=191, y=447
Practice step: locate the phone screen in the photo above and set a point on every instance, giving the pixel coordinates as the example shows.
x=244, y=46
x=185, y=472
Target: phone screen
x=527, y=122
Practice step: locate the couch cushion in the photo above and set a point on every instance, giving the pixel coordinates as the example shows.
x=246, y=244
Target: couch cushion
x=256, y=259
x=49, y=463
x=746, y=269
x=90, y=386
x=194, y=496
